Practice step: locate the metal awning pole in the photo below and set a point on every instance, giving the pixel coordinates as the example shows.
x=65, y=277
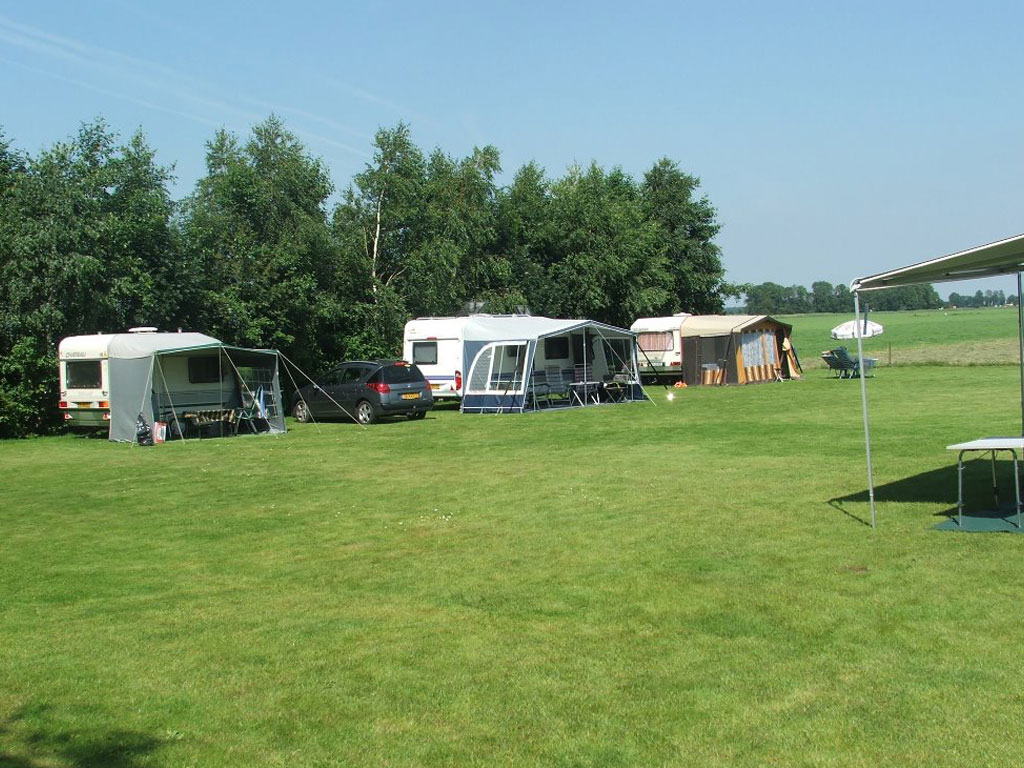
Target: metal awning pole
x=864, y=404
x=1020, y=339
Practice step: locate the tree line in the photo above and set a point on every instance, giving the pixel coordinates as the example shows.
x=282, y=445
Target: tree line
x=259, y=255
x=771, y=298
x=982, y=299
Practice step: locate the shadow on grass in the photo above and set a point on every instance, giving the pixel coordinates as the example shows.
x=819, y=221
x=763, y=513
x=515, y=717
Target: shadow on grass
x=937, y=486
x=35, y=746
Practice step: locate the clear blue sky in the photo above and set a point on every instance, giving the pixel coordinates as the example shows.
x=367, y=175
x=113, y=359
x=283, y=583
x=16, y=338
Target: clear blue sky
x=835, y=140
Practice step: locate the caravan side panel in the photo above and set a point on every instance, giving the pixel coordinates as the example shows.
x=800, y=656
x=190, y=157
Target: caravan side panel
x=434, y=345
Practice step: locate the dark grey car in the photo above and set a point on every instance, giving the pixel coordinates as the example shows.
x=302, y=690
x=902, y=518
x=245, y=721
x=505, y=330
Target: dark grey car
x=365, y=391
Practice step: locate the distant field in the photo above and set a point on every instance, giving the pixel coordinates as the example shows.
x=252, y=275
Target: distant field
x=933, y=337
x=686, y=583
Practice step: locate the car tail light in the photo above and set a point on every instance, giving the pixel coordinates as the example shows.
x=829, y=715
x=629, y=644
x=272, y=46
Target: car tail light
x=458, y=380
x=381, y=387
x=62, y=404
x=104, y=403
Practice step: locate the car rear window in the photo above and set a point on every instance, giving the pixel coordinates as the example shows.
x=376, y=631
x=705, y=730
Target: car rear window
x=401, y=374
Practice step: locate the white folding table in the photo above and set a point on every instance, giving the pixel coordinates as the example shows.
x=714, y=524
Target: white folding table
x=992, y=445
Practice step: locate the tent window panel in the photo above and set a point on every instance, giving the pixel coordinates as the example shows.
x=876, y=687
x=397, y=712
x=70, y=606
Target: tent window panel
x=481, y=371
x=770, y=348
x=507, y=368
x=204, y=370
x=83, y=374
x=616, y=354
x=655, y=341
x=498, y=369
x=753, y=349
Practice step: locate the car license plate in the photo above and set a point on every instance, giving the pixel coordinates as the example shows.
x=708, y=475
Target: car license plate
x=84, y=405
x=410, y=396
x=435, y=386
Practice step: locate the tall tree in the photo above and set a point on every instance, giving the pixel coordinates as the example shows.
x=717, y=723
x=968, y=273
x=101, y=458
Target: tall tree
x=378, y=226
x=265, y=267
x=687, y=227
x=88, y=248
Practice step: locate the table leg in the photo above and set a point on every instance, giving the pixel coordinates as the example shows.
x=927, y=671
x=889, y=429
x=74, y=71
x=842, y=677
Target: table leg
x=995, y=485
x=1016, y=486
x=960, y=489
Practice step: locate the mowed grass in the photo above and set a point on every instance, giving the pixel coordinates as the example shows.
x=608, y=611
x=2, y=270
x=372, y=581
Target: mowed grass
x=926, y=337
x=689, y=582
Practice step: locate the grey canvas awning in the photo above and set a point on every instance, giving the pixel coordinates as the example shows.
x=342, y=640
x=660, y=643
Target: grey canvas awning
x=1002, y=257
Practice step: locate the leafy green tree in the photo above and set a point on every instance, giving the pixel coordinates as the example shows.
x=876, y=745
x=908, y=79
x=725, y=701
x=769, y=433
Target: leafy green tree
x=266, y=271
x=687, y=227
x=609, y=263
x=378, y=226
x=87, y=247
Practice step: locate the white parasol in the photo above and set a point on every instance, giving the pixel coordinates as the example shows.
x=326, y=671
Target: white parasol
x=848, y=330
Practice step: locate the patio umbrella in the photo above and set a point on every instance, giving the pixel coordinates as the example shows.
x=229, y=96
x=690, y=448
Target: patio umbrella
x=848, y=330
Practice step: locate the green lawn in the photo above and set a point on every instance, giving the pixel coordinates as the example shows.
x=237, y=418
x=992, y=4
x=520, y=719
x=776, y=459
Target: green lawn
x=685, y=583
x=946, y=337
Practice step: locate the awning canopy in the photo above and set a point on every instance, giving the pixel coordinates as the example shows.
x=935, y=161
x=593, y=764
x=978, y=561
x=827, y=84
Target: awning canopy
x=1003, y=257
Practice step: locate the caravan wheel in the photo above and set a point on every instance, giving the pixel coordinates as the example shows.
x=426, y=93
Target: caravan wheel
x=301, y=412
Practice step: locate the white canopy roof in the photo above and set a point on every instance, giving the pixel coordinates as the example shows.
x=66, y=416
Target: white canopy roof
x=508, y=328
x=1003, y=257
x=670, y=323
x=130, y=345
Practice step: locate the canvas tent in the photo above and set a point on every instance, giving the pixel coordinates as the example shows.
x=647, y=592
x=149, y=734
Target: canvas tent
x=1003, y=257
x=736, y=349
x=194, y=383
x=521, y=363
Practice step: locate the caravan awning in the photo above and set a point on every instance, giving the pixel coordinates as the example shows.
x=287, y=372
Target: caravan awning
x=1003, y=257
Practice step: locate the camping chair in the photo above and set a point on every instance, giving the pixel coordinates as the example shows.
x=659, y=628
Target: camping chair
x=558, y=387
x=850, y=367
x=539, y=387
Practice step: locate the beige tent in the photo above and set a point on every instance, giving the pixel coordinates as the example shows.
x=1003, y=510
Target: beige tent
x=736, y=349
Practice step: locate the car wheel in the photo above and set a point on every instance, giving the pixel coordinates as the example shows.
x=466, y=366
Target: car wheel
x=416, y=416
x=301, y=412
x=365, y=413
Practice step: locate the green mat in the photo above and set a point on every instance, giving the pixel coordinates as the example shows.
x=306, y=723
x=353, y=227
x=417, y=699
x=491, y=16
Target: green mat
x=984, y=521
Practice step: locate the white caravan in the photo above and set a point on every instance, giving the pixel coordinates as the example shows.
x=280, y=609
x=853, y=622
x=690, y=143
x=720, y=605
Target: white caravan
x=435, y=345
x=660, y=345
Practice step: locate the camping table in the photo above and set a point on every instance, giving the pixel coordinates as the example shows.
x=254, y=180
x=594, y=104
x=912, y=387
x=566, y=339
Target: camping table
x=585, y=391
x=990, y=445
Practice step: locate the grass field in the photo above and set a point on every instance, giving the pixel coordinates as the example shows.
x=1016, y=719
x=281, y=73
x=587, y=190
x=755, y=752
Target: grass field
x=931, y=337
x=689, y=582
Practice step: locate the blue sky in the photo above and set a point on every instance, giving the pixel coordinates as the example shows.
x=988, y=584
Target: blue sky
x=835, y=140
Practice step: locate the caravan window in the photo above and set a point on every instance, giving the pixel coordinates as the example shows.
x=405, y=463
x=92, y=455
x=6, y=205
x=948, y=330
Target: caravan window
x=424, y=352
x=655, y=341
x=556, y=348
x=83, y=374
x=204, y=370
